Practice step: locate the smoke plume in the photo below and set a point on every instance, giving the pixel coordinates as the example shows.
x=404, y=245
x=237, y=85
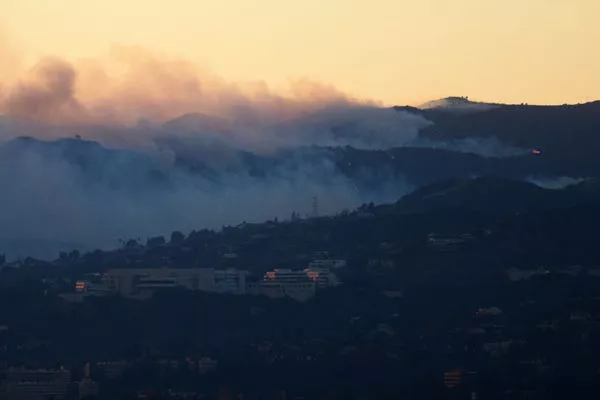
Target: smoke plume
x=559, y=182
x=138, y=145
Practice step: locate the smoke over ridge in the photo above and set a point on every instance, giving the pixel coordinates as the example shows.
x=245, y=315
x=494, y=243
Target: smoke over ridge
x=165, y=145
x=132, y=84
x=147, y=116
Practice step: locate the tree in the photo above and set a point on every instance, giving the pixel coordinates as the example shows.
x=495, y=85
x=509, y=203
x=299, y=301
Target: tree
x=132, y=244
x=156, y=241
x=177, y=237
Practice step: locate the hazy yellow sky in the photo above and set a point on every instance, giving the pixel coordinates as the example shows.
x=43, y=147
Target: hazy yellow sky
x=396, y=51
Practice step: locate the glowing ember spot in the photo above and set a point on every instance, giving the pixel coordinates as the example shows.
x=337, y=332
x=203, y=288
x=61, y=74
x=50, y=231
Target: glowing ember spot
x=313, y=275
x=536, y=151
x=271, y=275
x=80, y=286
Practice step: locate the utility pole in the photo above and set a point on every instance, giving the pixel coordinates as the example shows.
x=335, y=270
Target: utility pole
x=315, y=207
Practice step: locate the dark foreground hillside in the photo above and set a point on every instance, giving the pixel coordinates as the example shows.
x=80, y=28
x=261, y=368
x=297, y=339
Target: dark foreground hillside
x=568, y=135
x=484, y=287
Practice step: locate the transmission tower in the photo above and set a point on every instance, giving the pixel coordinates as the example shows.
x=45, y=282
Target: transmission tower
x=315, y=207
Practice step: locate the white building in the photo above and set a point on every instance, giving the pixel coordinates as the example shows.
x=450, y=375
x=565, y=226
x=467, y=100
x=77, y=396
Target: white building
x=299, y=285
x=323, y=277
x=27, y=384
x=87, y=387
x=231, y=281
x=331, y=263
x=92, y=288
x=206, y=365
x=286, y=276
x=142, y=283
x=299, y=291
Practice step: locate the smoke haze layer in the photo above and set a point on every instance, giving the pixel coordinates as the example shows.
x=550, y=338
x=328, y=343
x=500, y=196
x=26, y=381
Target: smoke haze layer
x=73, y=193
x=136, y=145
x=132, y=85
x=180, y=138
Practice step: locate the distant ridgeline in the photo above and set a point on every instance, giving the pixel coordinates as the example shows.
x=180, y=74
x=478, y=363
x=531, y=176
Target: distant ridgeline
x=191, y=165
x=512, y=220
x=566, y=134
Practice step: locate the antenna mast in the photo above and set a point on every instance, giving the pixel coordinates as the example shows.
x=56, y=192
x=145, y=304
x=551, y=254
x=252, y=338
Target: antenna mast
x=315, y=207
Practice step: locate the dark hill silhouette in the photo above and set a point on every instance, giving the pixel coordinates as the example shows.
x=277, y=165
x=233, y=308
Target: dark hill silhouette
x=417, y=165
x=194, y=122
x=568, y=135
x=497, y=196
x=458, y=104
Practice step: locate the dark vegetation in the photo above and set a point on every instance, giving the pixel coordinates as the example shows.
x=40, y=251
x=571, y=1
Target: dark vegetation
x=355, y=341
x=409, y=309
x=567, y=135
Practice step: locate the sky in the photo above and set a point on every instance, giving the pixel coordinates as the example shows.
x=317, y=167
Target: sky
x=393, y=51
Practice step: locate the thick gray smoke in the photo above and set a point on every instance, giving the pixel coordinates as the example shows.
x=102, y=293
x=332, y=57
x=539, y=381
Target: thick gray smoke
x=484, y=146
x=163, y=145
x=141, y=176
x=559, y=182
x=77, y=194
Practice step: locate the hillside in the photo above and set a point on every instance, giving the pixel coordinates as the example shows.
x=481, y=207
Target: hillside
x=457, y=104
x=493, y=195
x=568, y=135
x=510, y=210
x=156, y=179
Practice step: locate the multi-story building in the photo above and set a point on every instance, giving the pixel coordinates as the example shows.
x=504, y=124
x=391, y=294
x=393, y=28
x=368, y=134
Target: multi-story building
x=329, y=263
x=112, y=369
x=92, y=288
x=231, y=281
x=39, y=384
x=286, y=276
x=299, y=291
x=323, y=277
x=206, y=365
x=87, y=387
x=453, y=379
x=143, y=283
x=299, y=285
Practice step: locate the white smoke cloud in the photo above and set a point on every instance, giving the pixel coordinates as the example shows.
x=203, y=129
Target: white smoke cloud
x=52, y=203
x=482, y=146
x=176, y=140
x=558, y=182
